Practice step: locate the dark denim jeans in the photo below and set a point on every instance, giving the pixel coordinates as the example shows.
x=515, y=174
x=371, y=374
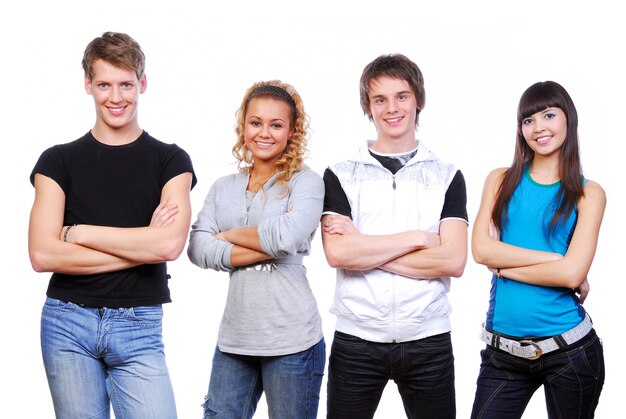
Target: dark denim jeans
x=572, y=378
x=359, y=370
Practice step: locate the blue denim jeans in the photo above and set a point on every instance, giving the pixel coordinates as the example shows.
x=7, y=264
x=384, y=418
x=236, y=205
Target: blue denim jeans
x=291, y=384
x=96, y=358
x=572, y=378
x=359, y=370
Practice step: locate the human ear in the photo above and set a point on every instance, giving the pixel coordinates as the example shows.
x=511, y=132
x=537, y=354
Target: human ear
x=87, y=85
x=143, y=84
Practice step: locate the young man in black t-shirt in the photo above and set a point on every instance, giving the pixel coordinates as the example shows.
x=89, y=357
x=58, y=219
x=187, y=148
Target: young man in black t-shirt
x=110, y=209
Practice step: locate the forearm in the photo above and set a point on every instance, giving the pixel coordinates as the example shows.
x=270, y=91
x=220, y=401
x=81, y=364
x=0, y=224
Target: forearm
x=363, y=252
x=564, y=273
x=74, y=259
x=139, y=244
x=242, y=256
x=246, y=237
x=447, y=259
x=496, y=254
x=428, y=264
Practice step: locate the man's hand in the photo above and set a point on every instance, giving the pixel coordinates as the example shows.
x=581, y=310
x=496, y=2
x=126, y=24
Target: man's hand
x=163, y=214
x=339, y=224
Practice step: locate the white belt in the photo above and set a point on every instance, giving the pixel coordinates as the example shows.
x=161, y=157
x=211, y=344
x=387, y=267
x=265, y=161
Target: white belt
x=533, y=349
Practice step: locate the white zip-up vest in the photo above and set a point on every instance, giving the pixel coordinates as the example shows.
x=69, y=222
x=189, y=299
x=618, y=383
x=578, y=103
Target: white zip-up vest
x=376, y=305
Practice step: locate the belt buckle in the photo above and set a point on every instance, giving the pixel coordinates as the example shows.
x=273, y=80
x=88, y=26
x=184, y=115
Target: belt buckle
x=535, y=345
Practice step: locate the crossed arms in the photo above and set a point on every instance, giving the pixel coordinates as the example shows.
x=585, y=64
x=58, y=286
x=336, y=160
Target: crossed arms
x=94, y=249
x=533, y=266
x=416, y=254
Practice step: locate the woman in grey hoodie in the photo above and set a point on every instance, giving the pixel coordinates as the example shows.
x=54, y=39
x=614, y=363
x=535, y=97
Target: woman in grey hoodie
x=258, y=224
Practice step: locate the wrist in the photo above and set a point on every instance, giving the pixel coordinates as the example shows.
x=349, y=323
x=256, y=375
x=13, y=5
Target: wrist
x=67, y=232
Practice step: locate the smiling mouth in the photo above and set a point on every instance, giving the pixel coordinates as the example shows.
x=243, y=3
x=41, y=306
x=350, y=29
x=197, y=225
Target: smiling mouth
x=394, y=120
x=116, y=110
x=543, y=140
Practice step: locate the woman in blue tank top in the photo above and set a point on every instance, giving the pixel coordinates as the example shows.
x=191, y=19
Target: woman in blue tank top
x=536, y=231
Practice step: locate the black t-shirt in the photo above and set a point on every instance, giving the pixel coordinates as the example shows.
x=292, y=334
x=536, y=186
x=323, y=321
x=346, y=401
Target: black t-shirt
x=116, y=186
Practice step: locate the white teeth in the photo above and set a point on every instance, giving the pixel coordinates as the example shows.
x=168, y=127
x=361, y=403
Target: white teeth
x=544, y=139
x=394, y=120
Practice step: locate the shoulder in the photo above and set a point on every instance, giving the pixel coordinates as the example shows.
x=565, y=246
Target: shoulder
x=229, y=179
x=153, y=142
x=307, y=176
x=69, y=146
x=345, y=169
x=496, y=175
x=593, y=193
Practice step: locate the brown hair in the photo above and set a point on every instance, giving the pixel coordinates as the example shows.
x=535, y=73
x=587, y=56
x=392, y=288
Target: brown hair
x=536, y=98
x=396, y=66
x=117, y=49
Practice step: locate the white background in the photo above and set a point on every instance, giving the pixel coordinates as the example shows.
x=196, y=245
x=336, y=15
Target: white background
x=477, y=58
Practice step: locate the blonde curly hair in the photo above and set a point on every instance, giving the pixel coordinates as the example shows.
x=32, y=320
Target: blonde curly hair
x=292, y=158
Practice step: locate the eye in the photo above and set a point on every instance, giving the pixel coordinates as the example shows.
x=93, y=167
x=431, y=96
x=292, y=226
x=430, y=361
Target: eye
x=277, y=126
x=527, y=121
x=550, y=115
x=402, y=97
x=379, y=100
x=103, y=85
x=127, y=85
x=255, y=123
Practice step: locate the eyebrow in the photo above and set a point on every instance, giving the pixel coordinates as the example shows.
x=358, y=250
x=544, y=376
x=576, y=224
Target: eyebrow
x=403, y=92
x=271, y=120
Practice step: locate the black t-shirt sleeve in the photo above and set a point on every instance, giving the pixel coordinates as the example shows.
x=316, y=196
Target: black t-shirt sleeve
x=51, y=164
x=455, y=204
x=176, y=162
x=335, y=199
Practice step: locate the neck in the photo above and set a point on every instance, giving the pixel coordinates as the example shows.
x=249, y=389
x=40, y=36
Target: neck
x=259, y=174
x=545, y=169
x=394, y=145
x=116, y=136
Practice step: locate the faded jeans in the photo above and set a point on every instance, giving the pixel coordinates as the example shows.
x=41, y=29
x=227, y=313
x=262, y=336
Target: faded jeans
x=291, y=384
x=96, y=358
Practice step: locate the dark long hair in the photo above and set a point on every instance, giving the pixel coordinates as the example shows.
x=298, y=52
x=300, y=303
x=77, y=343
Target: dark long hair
x=536, y=98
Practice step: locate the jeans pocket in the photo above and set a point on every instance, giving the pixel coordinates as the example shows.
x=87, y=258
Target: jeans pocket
x=346, y=339
x=57, y=308
x=593, y=357
x=148, y=316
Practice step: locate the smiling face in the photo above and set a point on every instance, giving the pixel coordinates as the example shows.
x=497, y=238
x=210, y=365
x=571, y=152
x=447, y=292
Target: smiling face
x=393, y=110
x=115, y=92
x=545, y=131
x=267, y=129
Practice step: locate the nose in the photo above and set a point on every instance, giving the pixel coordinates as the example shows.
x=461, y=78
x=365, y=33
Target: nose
x=264, y=131
x=115, y=94
x=539, y=125
x=391, y=106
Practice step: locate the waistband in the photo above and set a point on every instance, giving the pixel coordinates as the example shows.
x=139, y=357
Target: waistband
x=533, y=349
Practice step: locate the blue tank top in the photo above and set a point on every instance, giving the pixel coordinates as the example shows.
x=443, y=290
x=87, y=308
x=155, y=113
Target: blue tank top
x=523, y=310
